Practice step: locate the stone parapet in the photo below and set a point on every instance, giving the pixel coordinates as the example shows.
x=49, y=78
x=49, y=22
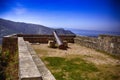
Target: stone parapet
x=106, y=43
x=46, y=74
x=27, y=68
x=9, y=44
x=45, y=38
x=86, y=41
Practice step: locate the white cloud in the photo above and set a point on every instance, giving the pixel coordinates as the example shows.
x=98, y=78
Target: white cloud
x=19, y=11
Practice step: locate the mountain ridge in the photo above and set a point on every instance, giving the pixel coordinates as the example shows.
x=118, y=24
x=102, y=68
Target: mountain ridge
x=8, y=27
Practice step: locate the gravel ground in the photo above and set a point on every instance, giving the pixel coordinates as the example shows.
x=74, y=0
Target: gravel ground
x=87, y=54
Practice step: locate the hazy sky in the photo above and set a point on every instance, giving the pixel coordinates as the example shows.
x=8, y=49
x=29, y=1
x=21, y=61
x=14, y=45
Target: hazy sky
x=79, y=14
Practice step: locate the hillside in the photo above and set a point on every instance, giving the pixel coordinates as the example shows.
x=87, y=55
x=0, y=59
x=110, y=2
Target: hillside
x=8, y=27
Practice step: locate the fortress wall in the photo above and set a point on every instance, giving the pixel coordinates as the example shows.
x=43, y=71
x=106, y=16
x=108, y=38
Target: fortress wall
x=86, y=41
x=110, y=44
x=9, y=44
x=106, y=43
x=44, y=38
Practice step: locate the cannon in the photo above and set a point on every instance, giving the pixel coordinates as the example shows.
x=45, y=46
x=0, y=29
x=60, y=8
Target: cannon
x=58, y=41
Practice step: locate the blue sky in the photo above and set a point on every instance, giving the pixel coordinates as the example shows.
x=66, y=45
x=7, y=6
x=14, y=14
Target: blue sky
x=78, y=14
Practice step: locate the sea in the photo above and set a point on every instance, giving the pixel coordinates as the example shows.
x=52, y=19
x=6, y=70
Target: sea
x=93, y=33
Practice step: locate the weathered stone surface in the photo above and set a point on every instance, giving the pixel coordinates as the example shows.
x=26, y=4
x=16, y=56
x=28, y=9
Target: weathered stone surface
x=10, y=44
x=107, y=43
x=51, y=44
x=46, y=74
x=86, y=41
x=27, y=68
x=37, y=38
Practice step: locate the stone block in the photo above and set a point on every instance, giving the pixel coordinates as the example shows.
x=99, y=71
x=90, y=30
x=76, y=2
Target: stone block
x=51, y=44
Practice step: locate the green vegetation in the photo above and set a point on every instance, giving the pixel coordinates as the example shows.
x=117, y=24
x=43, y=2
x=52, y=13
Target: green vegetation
x=12, y=68
x=70, y=69
x=79, y=69
x=1, y=65
x=8, y=66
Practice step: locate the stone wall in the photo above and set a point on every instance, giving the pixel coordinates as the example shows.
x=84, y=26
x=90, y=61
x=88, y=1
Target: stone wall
x=9, y=44
x=86, y=41
x=106, y=43
x=110, y=44
x=45, y=38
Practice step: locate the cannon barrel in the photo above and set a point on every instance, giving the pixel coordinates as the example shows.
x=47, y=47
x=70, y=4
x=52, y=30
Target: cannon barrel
x=58, y=40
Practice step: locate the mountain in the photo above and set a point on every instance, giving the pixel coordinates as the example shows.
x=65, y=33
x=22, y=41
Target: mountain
x=8, y=27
